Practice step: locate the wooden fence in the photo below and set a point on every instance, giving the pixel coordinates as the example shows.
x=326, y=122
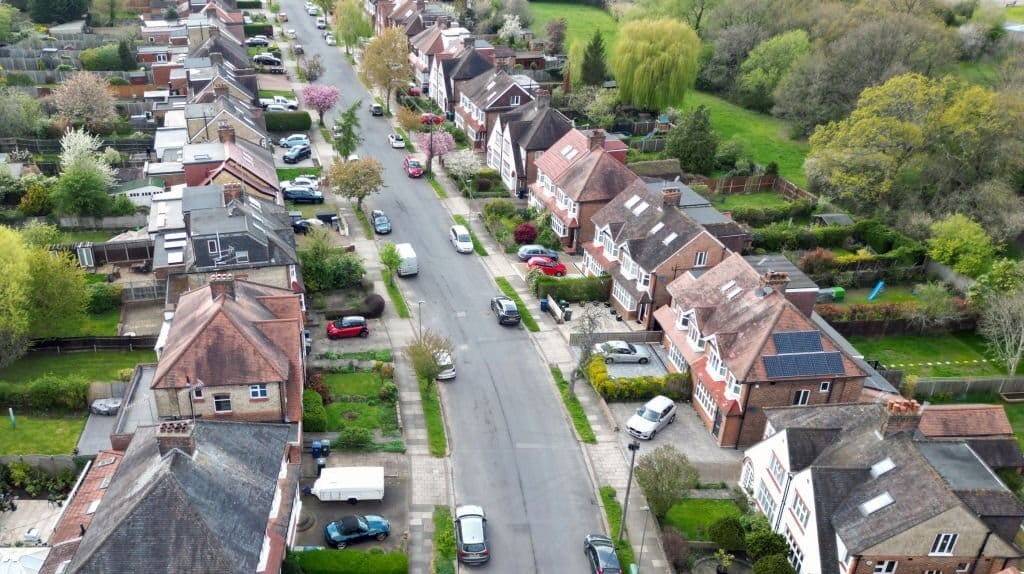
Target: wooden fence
x=750, y=184
x=73, y=344
x=52, y=146
x=960, y=385
x=890, y=327
x=576, y=339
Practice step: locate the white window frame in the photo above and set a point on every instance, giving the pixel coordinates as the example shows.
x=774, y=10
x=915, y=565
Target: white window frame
x=825, y=386
x=704, y=399
x=241, y=256
x=161, y=58
x=732, y=386
x=701, y=260
x=796, y=555
x=963, y=567
x=693, y=338
x=747, y=478
x=514, y=101
x=886, y=566
x=623, y=296
x=801, y=511
x=218, y=400
x=776, y=469
x=676, y=357
x=211, y=246
x=801, y=397
x=944, y=544
x=197, y=392
x=558, y=227
x=258, y=391
x=765, y=501
x=643, y=281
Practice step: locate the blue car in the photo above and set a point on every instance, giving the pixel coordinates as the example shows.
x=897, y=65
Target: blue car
x=356, y=528
x=381, y=223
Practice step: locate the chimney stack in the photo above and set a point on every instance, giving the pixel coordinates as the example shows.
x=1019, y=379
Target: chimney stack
x=420, y=5
x=220, y=91
x=468, y=42
x=216, y=58
x=175, y=435
x=543, y=98
x=222, y=284
x=901, y=415
x=232, y=191
x=777, y=280
x=596, y=139
x=226, y=132
x=670, y=196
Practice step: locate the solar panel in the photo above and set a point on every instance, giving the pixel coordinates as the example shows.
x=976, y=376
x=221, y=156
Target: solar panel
x=803, y=365
x=797, y=342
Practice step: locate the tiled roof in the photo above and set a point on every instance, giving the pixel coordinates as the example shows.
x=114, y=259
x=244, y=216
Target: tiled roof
x=596, y=177
x=569, y=148
x=964, y=421
x=255, y=159
x=428, y=41
x=468, y=64
x=485, y=90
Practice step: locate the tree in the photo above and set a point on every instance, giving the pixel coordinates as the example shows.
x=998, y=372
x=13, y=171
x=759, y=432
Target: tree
x=356, y=179
x=107, y=10
x=311, y=67
x=39, y=234
x=721, y=63
x=14, y=296
x=348, y=136
x=56, y=11
x=408, y=119
x=37, y=200
x=666, y=476
x=320, y=98
x=574, y=64
x=763, y=542
x=694, y=142
x=774, y=564
x=692, y=12
x=56, y=292
x=555, y=30
x=767, y=64
x=424, y=353
x=171, y=14
x=462, y=165
x=934, y=306
x=593, y=68
x=587, y=321
x=80, y=150
x=352, y=23
x=727, y=533
x=7, y=15
x=1004, y=276
x=19, y=113
x=1002, y=326
x=386, y=61
x=390, y=259
x=83, y=100
x=434, y=143
x=81, y=192
x=126, y=53
x=962, y=244
x=324, y=269
x=511, y=30
x=655, y=63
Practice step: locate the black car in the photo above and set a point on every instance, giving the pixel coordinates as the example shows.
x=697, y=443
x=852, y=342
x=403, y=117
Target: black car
x=526, y=252
x=297, y=154
x=381, y=223
x=376, y=110
x=505, y=310
x=355, y=528
x=600, y=551
x=303, y=195
x=257, y=41
x=301, y=227
x=266, y=60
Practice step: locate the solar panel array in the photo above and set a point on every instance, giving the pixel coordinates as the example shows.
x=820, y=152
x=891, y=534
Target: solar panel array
x=803, y=365
x=797, y=342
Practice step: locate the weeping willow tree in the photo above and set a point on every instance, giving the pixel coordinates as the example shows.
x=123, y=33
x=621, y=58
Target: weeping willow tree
x=574, y=64
x=655, y=63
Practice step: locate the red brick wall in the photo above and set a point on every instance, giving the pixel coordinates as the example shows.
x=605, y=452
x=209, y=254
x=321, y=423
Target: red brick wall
x=921, y=564
x=779, y=394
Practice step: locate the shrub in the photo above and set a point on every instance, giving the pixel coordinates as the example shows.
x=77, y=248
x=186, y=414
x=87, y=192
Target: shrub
x=351, y=562
x=573, y=289
x=103, y=297
x=47, y=393
x=678, y=385
x=832, y=235
x=125, y=375
x=764, y=542
x=354, y=438
x=727, y=533
x=249, y=4
x=820, y=260
x=624, y=388
x=19, y=79
x=388, y=392
x=1012, y=480
x=314, y=415
x=676, y=546
x=257, y=29
x=499, y=208
x=102, y=58
x=298, y=121
x=774, y=564
x=525, y=233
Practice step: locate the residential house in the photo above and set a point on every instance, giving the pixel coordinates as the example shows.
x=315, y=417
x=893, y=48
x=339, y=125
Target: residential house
x=985, y=428
x=644, y=241
x=854, y=492
x=482, y=99
x=232, y=52
x=205, y=120
x=520, y=136
x=509, y=59
x=448, y=74
x=163, y=32
x=748, y=347
x=208, y=496
x=215, y=14
x=234, y=351
x=734, y=235
x=159, y=53
x=575, y=178
x=207, y=83
x=435, y=41
x=231, y=160
x=140, y=191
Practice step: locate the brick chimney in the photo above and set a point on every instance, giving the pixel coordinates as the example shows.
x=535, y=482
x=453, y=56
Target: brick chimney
x=175, y=435
x=226, y=132
x=901, y=415
x=216, y=58
x=670, y=196
x=596, y=139
x=543, y=98
x=222, y=284
x=468, y=41
x=777, y=280
x=214, y=32
x=420, y=5
x=232, y=191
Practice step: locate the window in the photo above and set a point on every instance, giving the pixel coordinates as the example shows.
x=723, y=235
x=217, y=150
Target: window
x=257, y=391
x=197, y=392
x=747, y=479
x=800, y=511
x=704, y=398
x=885, y=566
x=242, y=256
x=682, y=321
x=211, y=245
x=765, y=501
x=514, y=100
x=161, y=57
x=943, y=545
x=623, y=296
x=558, y=227
x=702, y=259
x=732, y=386
x=825, y=387
x=963, y=567
x=644, y=280
x=778, y=471
x=221, y=403
x=796, y=556
x=693, y=336
x=93, y=506
x=678, y=361
x=801, y=397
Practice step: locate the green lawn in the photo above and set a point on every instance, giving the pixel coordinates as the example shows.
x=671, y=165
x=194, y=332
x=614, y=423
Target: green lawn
x=308, y=209
x=101, y=366
x=894, y=294
x=984, y=72
x=365, y=383
x=395, y=294
x=1015, y=14
x=437, y=440
x=84, y=235
x=613, y=511
x=41, y=435
x=288, y=173
x=353, y=415
x=897, y=350
x=1015, y=412
x=101, y=325
x=693, y=515
x=271, y=93
x=765, y=138
x=755, y=200
x=583, y=21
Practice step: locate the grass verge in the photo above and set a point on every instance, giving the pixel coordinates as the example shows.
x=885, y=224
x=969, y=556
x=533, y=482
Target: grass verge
x=444, y=541
x=364, y=222
x=436, y=438
x=572, y=404
x=395, y=294
x=613, y=510
x=408, y=142
x=289, y=173
x=41, y=435
x=383, y=355
x=693, y=516
x=524, y=313
x=99, y=366
x=437, y=186
x=583, y=21
x=477, y=246
x=271, y=93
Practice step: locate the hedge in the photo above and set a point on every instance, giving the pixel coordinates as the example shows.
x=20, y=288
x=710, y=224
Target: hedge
x=674, y=385
x=248, y=4
x=258, y=29
x=314, y=414
x=761, y=216
x=351, y=562
x=47, y=393
x=573, y=289
x=298, y=121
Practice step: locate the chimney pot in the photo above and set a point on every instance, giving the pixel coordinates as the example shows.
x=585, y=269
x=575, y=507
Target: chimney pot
x=670, y=196
x=226, y=132
x=222, y=284
x=175, y=435
x=596, y=139
x=468, y=41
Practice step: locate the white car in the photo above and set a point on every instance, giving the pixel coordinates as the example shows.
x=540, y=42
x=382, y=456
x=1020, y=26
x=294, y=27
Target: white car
x=658, y=413
x=312, y=10
x=321, y=23
x=276, y=108
x=623, y=352
x=460, y=239
x=396, y=141
x=352, y=157
x=447, y=365
x=290, y=32
x=330, y=40
x=305, y=180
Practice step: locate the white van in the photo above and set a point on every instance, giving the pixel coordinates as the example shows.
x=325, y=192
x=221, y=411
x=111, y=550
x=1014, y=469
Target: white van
x=350, y=484
x=459, y=237
x=409, y=264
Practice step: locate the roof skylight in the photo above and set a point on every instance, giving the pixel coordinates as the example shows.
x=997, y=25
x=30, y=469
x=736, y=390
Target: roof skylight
x=875, y=504
x=881, y=467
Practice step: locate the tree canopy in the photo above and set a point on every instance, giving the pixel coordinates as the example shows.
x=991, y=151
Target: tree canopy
x=386, y=61
x=14, y=297
x=593, y=68
x=352, y=23
x=655, y=63
x=357, y=179
x=766, y=66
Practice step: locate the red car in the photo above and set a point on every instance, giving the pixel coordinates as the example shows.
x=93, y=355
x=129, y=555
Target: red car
x=431, y=119
x=413, y=167
x=348, y=327
x=547, y=265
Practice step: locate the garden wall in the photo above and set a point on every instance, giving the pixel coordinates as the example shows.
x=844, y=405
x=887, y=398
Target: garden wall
x=576, y=339
x=72, y=344
x=51, y=464
x=748, y=184
x=52, y=146
x=119, y=222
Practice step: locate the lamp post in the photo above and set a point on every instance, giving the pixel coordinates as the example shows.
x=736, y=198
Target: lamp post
x=190, y=387
x=643, y=536
x=633, y=447
x=419, y=317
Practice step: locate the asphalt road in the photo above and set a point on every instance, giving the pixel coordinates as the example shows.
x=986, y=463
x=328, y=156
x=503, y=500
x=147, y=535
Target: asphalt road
x=513, y=452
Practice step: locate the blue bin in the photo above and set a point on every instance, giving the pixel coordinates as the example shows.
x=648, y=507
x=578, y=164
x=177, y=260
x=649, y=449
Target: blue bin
x=316, y=449
x=544, y=305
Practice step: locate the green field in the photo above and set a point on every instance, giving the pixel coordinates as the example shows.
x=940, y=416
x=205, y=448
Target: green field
x=693, y=515
x=756, y=200
x=895, y=294
x=364, y=383
x=897, y=350
x=41, y=435
x=99, y=325
x=766, y=139
x=101, y=366
x=984, y=72
x=1015, y=14
x=583, y=21
x=84, y=235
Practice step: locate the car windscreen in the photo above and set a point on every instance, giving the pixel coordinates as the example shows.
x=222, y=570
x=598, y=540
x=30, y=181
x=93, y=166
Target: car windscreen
x=413, y=163
x=647, y=414
x=463, y=238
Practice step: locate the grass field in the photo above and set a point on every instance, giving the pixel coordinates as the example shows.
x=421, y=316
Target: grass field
x=101, y=325
x=83, y=235
x=756, y=200
x=288, y=173
x=1015, y=14
x=101, y=366
x=983, y=73
x=353, y=415
x=583, y=21
x=365, y=383
x=897, y=350
x=765, y=138
x=895, y=294
x=41, y=435
x=693, y=515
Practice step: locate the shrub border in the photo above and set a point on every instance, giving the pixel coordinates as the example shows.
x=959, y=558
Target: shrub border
x=444, y=540
x=431, y=401
x=395, y=294
x=613, y=510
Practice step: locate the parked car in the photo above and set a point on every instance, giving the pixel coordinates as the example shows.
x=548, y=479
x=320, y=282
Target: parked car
x=396, y=141
x=547, y=266
x=312, y=10
x=412, y=166
x=266, y=60
x=299, y=49
x=297, y=153
x=413, y=90
x=276, y=108
x=306, y=180
x=352, y=326
x=303, y=195
x=446, y=363
x=600, y=552
x=505, y=310
x=257, y=41
x=282, y=16
x=294, y=140
x=352, y=157
x=376, y=110
x=329, y=38
x=321, y=23
x=301, y=226
x=381, y=222
x=528, y=251
x=460, y=239
x=290, y=32
x=356, y=528
x=471, y=534
x=623, y=352
x=431, y=119
x=655, y=415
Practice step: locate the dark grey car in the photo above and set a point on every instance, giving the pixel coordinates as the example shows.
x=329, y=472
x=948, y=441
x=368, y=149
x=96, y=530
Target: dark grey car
x=471, y=534
x=600, y=551
x=505, y=310
x=528, y=251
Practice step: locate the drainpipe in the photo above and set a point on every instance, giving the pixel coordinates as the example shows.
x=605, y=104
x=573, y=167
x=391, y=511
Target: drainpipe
x=782, y=502
x=981, y=549
x=743, y=416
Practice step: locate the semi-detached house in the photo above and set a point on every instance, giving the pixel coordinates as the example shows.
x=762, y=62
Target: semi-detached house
x=482, y=99
x=521, y=136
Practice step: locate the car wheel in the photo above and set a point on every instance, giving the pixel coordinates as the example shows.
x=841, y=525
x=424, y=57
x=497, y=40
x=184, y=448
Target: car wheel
x=341, y=545
x=381, y=536
x=643, y=360
x=673, y=419
x=653, y=432
x=559, y=274
x=609, y=360
x=364, y=334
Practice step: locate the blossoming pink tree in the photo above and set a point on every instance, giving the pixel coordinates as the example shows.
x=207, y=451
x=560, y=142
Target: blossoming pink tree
x=320, y=98
x=435, y=143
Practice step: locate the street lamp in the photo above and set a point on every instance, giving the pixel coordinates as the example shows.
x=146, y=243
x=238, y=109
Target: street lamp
x=419, y=317
x=633, y=447
x=190, y=387
x=642, y=537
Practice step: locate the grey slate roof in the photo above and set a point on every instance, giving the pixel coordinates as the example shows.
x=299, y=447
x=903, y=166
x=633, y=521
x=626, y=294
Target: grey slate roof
x=806, y=444
x=486, y=90
x=998, y=452
x=534, y=127
x=180, y=513
x=467, y=65
x=779, y=262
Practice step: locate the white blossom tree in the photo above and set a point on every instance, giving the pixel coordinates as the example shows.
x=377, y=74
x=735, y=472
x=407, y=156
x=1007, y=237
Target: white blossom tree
x=462, y=165
x=1002, y=326
x=511, y=30
x=81, y=151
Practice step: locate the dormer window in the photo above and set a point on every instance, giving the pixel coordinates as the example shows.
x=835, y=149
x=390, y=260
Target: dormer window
x=682, y=320
x=693, y=336
x=644, y=280
x=514, y=100
x=732, y=386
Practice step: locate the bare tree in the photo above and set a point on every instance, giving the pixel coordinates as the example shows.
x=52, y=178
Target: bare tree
x=587, y=322
x=1002, y=325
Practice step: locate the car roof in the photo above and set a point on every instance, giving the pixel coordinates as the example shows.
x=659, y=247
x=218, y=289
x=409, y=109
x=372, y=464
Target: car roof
x=459, y=228
x=352, y=319
x=658, y=403
x=471, y=524
x=540, y=260
x=469, y=510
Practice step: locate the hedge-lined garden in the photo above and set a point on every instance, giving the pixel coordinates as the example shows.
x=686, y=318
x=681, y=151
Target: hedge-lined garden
x=676, y=386
x=298, y=121
x=346, y=562
x=502, y=218
x=571, y=289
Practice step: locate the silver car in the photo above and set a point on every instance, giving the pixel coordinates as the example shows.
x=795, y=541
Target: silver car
x=471, y=534
x=623, y=352
x=658, y=413
x=447, y=365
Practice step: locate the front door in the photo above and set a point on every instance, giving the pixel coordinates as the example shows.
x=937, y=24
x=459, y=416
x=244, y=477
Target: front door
x=718, y=423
